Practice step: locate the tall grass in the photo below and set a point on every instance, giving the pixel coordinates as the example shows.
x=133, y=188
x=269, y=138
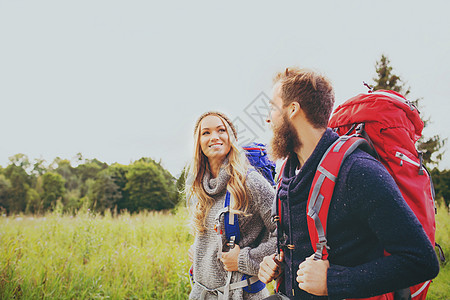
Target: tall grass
x=93, y=257
x=440, y=287
x=142, y=256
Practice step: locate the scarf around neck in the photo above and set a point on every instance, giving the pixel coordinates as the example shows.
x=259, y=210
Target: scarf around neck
x=215, y=186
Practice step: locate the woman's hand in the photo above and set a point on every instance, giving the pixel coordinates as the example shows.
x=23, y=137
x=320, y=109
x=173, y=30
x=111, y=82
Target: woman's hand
x=230, y=259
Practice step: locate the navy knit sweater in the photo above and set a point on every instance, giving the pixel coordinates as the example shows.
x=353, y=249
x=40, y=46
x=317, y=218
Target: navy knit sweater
x=367, y=215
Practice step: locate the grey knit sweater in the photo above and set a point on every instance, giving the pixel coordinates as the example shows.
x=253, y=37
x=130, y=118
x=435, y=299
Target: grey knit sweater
x=257, y=237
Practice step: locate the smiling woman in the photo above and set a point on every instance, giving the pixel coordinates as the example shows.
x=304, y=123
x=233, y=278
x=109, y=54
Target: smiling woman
x=220, y=184
x=214, y=141
x=216, y=130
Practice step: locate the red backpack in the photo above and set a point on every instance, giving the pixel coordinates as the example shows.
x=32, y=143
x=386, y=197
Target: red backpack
x=391, y=125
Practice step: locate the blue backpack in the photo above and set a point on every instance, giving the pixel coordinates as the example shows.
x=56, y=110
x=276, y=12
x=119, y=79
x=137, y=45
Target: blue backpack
x=258, y=158
x=257, y=155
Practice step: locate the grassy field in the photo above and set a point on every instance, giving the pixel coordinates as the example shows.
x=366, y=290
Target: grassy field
x=92, y=257
x=125, y=257
x=440, y=287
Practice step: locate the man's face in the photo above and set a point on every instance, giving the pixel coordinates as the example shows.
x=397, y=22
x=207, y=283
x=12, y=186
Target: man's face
x=285, y=139
x=276, y=106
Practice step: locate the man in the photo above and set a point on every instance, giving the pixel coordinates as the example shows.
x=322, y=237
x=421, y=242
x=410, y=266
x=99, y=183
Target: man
x=367, y=214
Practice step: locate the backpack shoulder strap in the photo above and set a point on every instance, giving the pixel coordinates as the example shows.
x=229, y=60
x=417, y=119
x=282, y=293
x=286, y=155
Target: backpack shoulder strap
x=231, y=223
x=250, y=284
x=322, y=189
x=277, y=218
x=277, y=208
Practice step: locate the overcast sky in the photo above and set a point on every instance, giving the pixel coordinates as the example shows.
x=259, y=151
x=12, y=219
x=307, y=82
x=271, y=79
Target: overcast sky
x=119, y=80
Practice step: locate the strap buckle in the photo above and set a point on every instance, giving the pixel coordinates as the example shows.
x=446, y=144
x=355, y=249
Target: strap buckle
x=248, y=281
x=360, y=129
x=232, y=242
x=319, y=252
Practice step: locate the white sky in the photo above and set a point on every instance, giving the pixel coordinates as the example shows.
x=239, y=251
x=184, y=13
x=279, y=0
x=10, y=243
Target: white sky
x=119, y=80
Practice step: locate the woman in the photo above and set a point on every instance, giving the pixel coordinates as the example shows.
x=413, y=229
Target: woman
x=219, y=166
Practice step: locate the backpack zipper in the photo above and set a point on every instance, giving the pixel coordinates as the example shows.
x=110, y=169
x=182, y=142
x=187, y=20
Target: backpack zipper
x=403, y=157
x=403, y=100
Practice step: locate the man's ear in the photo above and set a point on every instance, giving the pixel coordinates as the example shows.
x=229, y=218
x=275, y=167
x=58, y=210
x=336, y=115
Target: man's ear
x=293, y=109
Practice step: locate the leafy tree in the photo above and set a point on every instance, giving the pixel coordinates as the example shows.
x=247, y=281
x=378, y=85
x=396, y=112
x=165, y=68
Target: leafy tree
x=88, y=170
x=180, y=187
x=441, y=181
x=20, y=183
x=118, y=174
x=5, y=190
x=78, y=158
x=72, y=201
x=20, y=160
x=34, y=202
x=150, y=186
x=38, y=167
x=53, y=189
x=431, y=148
x=64, y=168
x=105, y=192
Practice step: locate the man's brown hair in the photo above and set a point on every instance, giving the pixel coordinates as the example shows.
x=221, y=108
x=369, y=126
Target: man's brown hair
x=311, y=90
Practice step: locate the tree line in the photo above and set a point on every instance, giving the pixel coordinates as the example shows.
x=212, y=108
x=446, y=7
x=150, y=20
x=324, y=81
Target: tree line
x=142, y=185
x=33, y=188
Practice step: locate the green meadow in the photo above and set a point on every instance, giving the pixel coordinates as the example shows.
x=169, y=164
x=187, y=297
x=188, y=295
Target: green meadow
x=141, y=256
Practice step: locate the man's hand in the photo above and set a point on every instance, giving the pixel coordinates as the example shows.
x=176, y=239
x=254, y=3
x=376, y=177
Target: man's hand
x=230, y=259
x=270, y=268
x=312, y=276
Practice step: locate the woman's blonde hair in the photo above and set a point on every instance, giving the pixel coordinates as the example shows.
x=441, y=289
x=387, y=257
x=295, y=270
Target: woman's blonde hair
x=237, y=169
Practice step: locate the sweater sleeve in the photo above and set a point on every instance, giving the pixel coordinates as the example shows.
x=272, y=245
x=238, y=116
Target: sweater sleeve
x=262, y=195
x=377, y=201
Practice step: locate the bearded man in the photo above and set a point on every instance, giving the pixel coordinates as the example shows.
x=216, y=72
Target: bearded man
x=367, y=214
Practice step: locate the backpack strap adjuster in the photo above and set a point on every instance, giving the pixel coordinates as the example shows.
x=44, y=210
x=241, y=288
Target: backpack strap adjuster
x=320, y=245
x=232, y=242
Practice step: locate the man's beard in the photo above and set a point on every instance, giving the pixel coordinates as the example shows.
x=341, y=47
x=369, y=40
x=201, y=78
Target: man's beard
x=285, y=140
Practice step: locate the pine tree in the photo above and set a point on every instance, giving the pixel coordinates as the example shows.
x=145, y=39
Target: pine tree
x=431, y=148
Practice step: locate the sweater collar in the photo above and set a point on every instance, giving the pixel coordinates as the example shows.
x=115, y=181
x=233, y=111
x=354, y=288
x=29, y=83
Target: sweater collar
x=214, y=186
x=293, y=182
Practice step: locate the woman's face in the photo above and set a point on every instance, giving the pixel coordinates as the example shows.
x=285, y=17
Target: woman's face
x=214, y=139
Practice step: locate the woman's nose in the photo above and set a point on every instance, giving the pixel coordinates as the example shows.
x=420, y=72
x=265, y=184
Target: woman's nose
x=214, y=136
